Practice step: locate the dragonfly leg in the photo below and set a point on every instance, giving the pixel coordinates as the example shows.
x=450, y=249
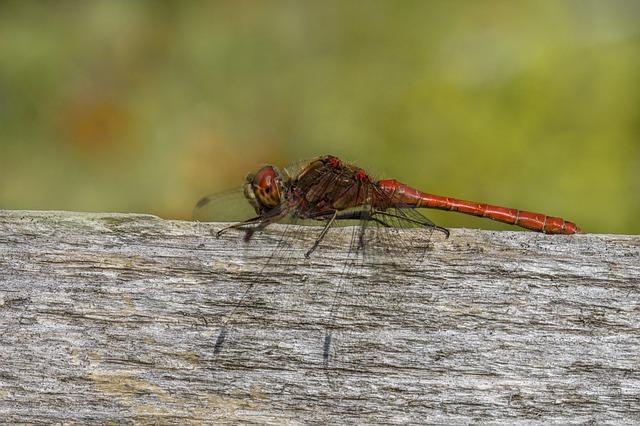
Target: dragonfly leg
x=239, y=225
x=272, y=216
x=445, y=231
x=258, y=223
x=248, y=232
x=322, y=234
x=363, y=215
x=356, y=215
x=368, y=216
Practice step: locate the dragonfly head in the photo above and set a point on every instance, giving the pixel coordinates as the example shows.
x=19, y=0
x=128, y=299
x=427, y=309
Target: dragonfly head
x=264, y=189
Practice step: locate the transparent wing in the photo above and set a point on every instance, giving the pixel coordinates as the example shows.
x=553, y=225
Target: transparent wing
x=397, y=236
x=232, y=206
x=226, y=206
x=401, y=235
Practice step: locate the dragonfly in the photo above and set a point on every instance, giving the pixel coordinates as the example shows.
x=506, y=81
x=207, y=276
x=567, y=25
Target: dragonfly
x=328, y=191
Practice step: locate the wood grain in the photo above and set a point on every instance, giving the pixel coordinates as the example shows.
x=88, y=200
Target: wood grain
x=115, y=318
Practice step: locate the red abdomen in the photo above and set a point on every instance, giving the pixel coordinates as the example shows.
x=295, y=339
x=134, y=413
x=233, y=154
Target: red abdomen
x=405, y=196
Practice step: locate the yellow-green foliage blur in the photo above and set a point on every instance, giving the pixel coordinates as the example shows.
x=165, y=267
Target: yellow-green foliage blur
x=144, y=106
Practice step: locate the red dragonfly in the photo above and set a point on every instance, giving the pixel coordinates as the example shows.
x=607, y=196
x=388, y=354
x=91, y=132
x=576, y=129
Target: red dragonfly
x=328, y=190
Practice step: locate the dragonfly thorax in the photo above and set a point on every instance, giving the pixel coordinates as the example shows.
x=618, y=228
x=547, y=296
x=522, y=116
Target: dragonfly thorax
x=264, y=189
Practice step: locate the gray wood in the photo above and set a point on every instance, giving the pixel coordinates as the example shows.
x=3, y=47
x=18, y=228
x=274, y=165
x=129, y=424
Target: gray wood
x=115, y=318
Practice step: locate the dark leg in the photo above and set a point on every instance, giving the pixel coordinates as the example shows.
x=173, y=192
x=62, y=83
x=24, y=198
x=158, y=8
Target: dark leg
x=239, y=225
x=272, y=216
x=322, y=234
x=445, y=231
x=355, y=215
x=248, y=232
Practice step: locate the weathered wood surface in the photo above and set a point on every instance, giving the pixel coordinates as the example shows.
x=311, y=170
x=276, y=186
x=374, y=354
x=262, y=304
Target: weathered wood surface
x=114, y=318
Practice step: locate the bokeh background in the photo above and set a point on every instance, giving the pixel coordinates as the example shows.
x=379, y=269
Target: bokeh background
x=145, y=106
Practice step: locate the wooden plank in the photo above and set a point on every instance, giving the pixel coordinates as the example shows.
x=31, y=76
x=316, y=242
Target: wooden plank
x=115, y=318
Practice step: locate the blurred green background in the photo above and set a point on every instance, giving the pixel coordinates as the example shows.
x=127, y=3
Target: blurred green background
x=145, y=106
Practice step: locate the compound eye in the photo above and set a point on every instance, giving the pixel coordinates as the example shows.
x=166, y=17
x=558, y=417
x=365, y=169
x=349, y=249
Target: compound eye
x=266, y=185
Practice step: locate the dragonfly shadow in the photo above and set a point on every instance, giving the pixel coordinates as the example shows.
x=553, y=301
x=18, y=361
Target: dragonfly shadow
x=220, y=341
x=326, y=349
